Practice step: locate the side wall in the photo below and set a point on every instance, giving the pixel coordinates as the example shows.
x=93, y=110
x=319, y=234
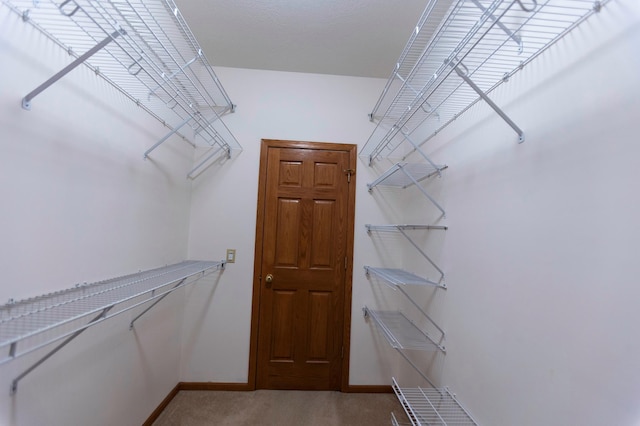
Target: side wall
x=79, y=204
x=541, y=310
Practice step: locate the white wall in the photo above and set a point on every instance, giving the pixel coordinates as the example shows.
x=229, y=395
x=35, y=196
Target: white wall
x=80, y=204
x=273, y=105
x=541, y=312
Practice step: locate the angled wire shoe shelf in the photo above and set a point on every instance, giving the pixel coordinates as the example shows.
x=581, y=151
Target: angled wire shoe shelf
x=398, y=276
x=423, y=406
x=145, y=50
x=34, y=323
x=403, y=175
x=459, y=52
x=402, y=333
x=432, y=406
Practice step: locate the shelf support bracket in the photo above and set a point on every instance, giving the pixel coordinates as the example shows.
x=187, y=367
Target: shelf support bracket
x=442, y=333
x=417, y=148
x=426, y=194
x=418, y=370
x=463, y=75
x=26, y=101
x=100, y=316
x=156, y=302
x=423, y=254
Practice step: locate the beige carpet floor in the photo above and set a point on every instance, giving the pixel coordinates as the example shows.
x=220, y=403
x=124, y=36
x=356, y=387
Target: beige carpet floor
x=280, y=408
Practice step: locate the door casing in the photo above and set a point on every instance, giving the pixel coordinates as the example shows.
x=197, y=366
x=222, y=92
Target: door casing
x=255, y=310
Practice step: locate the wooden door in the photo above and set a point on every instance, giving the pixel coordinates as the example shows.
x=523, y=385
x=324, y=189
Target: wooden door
x=303, y=266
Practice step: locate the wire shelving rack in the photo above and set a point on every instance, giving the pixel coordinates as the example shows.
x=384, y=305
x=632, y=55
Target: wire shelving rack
x=145, y=50
x=31, y=324
x=459, y=52
x=401, y=333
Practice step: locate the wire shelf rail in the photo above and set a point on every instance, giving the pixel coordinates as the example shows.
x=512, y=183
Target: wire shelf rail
x=460, y=51
x=432, y=406
x=145, y=50
x=31, y=324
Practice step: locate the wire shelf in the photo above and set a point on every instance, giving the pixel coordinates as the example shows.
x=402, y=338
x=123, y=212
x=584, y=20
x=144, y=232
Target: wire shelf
x=402, y=333
x=432, y=406
x=400, y=227
x=458, y=44
x=397, y=277
x=29, y=324
x=404, y=175
x=147, y=52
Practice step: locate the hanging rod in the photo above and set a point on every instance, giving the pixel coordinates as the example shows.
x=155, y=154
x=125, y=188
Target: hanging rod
x=458, y=54
x=34, y=323
x=221, y=150
x=154, y=61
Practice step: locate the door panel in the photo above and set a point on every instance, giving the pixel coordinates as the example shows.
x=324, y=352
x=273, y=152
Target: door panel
x=322, y=234
x=282, y=326
x=320, y=314
x=304, y=246
x=287, y=232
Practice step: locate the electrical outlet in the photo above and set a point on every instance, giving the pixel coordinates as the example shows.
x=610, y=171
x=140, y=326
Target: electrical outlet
x=231, y=255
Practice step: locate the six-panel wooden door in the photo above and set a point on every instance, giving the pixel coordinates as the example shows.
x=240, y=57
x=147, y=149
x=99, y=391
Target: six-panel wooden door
x=303, y=269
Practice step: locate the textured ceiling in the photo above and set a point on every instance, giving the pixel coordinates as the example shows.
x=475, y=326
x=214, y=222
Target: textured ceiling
x=342, y=37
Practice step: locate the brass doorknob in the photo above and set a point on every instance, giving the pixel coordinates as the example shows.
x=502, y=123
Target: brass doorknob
x=269, y=278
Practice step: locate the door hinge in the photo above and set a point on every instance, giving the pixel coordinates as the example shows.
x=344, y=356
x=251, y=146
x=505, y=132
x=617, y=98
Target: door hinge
x=349, y=172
